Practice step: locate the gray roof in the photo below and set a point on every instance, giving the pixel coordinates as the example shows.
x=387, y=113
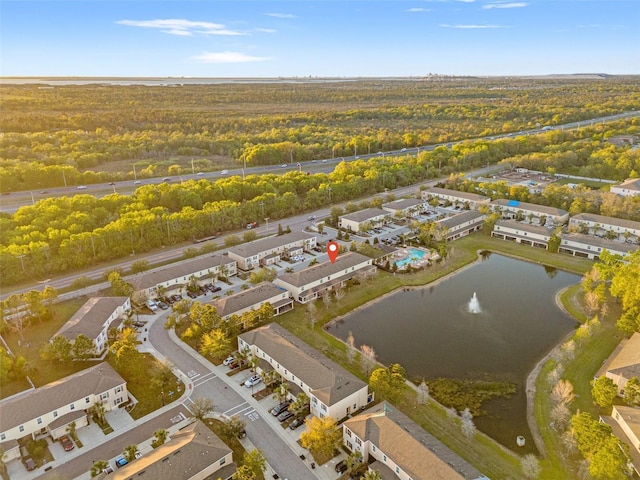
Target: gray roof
x=532, y=207
x=630, y=184
x=403, y=203
x=460, y=218
x=321, y=270
x=616, y=222
x=601, y=242
x=525, y=227
x=22, y=408
x=90, y=318
x=625, y=360
x=328, y=381
x=256, y=247
x=414, y=450
x=364, y=215
x=456, y=193
x=182, y=269
x=188, y=452
x=246, y=298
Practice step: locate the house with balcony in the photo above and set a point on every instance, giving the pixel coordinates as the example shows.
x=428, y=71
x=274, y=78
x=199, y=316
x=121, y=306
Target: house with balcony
x=521, y=232
x=530, y=212
x=611, y=228
x=396, y=447
x=333, y=391
x=312, y=282
x=192, y=453
x=175, y=278
x=270, y=250
x=364, y=219
x=454, y=198
x=406, y=207
x=591, y=247
x=629, y=188
x=49, y=409
x=252, y=299
x=94, y=319
x=462, y=224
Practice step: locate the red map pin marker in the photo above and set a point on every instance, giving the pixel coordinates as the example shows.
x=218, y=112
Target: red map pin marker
x=332, y=250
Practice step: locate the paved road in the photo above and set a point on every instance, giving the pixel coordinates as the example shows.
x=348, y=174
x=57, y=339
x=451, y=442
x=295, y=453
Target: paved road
x=231, y=398
x=82, y=463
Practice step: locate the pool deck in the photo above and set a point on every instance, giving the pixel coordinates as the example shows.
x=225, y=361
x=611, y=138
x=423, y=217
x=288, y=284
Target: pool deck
x=404, y=253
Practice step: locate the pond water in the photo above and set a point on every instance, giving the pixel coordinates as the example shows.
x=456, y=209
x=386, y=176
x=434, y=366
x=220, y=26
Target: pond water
x=432, y=332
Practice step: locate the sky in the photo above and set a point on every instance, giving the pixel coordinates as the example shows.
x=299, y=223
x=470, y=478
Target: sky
x=321, y=38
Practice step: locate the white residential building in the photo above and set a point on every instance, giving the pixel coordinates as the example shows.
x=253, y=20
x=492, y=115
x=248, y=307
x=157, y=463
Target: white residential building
x=624, y=363
x=531, y=212
x=462, y=224
x=590, y=247
x=629, y=188
x=396, y=447
x=521, y=232
x=49, y=409
x=174, y=278
x=252, y=299
x=94, y=319
x=373, y=217
x=333, y=391
x=625, y=422
x=270, y=250
x=610, y=227
x=311, y=282
x=447, y=196
x=405, y=207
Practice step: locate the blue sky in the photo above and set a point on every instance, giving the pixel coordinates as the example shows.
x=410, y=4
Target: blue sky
x=211, y=38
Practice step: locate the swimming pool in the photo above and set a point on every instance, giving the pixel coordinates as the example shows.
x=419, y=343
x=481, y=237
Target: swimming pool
x=413, y=256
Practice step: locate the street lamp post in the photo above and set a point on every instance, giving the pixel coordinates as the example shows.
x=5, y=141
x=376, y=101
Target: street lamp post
x=333, y=151
x=193, y=168
x=267, y=220
x=244, y=164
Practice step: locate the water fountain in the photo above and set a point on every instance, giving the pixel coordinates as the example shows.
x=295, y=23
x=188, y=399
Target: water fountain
x=474, y=304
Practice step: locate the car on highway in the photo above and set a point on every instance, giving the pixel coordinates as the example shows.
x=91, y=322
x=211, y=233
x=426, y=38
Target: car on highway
x=324, y=161
x=224, y=172
x=311, y=218
x=200, y=174
x=82, y=187
x=252, y=381
x=403, y=150
x=66, y=443
x=229, y=360
x=166, y=179
x=112, y=183
x=137, y=182
x=284, y=416
x=281, y=407
x=284, y=165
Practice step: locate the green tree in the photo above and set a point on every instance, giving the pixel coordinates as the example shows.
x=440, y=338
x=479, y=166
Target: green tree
x=632, y=392
x=300, y=406
x=99, y=410
x=610, y=461
x=202, y=407
x=234, y=426
x=322, y=436
x=372, y=475
x=98, y=467
x=243, y=473
x=83, y=347
x=603, y=391
x=130, y=452
x=159, y=437
x=6, y=366
x=255, y=461
x=119, y=286
x=354, y=463
x=215, y=343
x=58, y=349
x=389, y=382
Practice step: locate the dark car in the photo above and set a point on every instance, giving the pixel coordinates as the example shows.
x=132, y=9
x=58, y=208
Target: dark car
x=286, y=415
x=278, y=409
x=297, y=423
x=341, y=466
x=191, y=294
x=121, y=461
x=163, y=305
x=29, y=463
x=66, y=443
x=216, y=289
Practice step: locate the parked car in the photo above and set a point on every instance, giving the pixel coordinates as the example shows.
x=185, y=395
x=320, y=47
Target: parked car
x=152, y=305
x=121, y=461
x=252, y=381
x=66, y=443
x=108, y=469
x=163, y=305
x=29, y=463
x=233, y=365
x=296, y=423
x=286, y=415
x=278, y=409
x=229, y=360
x=216, y=289
x=191, y=294
x=341, y=466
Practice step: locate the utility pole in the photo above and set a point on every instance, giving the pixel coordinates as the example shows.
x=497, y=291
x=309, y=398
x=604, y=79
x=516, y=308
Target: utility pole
x=267, y=220
x=64, y=178
x=193, y=169
x=135, y=175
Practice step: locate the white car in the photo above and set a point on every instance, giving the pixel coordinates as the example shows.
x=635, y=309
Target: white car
x=252, y=381
x=82, y=187
x=284, y=165
x=229, y=360
x=199, y=174
x=224, y=172
x=137, y=182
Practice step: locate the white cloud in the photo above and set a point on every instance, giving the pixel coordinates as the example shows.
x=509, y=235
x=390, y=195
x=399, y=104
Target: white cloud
x=265, y=30
x=280, y=15
x=180, y=26
x=444, y=25
x=418, y=9
x=227, y=57
x=489, y=6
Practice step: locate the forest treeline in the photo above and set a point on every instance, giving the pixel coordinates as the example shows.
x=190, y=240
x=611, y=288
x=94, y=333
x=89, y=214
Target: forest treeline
x=89, y=134
x=56, y=235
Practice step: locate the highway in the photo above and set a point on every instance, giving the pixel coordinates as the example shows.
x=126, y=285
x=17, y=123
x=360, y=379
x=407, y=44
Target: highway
x=10, y=203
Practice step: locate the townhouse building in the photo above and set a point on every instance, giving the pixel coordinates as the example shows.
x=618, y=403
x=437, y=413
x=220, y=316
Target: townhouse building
x=333, y=391
x=448, y=197
x=624, y=363
x=609, y=227
x=252, y=299
x=521, y=232
x=364, y=219
x=462, y=224
x=629, y=188
x=590, y=247
x=531, y=212
x=270, y=250
x=406, y=207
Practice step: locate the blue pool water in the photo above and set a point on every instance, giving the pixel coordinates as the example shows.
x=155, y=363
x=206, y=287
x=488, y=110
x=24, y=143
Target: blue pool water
x=415, y=255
